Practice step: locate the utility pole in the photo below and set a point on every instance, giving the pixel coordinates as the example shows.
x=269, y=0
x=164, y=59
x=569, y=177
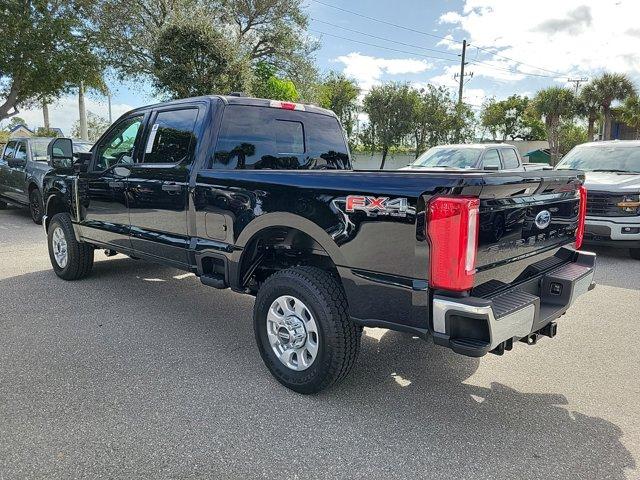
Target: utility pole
x=577, y=81
x=462, y=63
x=461, y=75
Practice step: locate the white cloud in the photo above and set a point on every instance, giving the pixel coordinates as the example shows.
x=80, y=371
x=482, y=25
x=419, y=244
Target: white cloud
x=368, y=71
x=64, y=112
x=571, y=37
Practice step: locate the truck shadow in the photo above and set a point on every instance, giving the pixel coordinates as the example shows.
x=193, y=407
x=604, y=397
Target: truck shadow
x=405, y=411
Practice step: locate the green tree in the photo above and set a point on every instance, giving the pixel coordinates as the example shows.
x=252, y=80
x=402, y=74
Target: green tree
x=96, y=126
x=46, y=132
x=390, y=108
x=571, y=134
x=511, y=118
x=630, y=113
x=45, y=50
x=15, y=121
x=610, y=87
x=190, y=58
x=340, y=94
x=555, y=104
x=432, y=114
x=267, y=85
x=588, y=106
x=272, y=31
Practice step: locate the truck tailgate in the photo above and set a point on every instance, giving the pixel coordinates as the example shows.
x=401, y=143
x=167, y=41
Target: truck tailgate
x=522, y=221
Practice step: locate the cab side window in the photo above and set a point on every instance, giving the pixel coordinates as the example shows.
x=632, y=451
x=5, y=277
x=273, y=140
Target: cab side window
x=491, y=158
x=9, y=151
x=118, y=146
x=172, y=138
x=510, y=158
x=21, y=152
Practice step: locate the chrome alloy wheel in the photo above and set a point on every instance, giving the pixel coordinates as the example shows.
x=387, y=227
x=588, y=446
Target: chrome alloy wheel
x=59, y=244
x=293, y=332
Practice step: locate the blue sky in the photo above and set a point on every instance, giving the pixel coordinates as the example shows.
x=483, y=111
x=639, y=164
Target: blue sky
x=516, y=47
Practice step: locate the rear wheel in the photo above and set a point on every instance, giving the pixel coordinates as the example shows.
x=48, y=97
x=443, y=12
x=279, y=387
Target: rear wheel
x=303, y=330
x=635, y=253
x=35, y=206
x=71, y=260
x=3, y=205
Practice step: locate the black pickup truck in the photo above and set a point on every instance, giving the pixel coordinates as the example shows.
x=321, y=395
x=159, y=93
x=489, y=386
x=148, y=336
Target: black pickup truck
x=259, y=196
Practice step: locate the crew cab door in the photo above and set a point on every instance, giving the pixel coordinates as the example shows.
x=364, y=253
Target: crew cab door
x=158, y=186
x=7, y=155
x=103, y=188
x=17, y=174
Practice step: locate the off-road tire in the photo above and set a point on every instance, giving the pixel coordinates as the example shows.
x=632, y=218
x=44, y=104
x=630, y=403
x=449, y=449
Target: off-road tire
x=339, y=337
x=635, y=253
x=35, y=206
x=80, y=255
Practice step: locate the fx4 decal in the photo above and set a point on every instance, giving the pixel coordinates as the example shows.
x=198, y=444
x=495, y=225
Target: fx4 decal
x=373, y=206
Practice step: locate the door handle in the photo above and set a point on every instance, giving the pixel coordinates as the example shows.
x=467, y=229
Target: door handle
x=171, y=187
x=116, y=184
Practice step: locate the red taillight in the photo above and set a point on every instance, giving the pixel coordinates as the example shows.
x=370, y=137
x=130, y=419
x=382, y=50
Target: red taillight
x=288, y=106
x=582, y=214
x=452, y=229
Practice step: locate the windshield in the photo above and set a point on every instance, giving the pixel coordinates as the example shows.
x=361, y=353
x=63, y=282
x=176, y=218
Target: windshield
x=39, y=149
x=606, y=158
x=455, y=157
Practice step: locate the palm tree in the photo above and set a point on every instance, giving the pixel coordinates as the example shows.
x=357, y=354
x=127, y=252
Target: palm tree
x=630, y=113
x=589, y=107
x=555, y=103
x=611, y=87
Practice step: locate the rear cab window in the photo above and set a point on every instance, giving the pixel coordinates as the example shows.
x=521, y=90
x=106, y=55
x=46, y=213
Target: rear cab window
x=491, y=158
x=510, y=158
x=256, y=137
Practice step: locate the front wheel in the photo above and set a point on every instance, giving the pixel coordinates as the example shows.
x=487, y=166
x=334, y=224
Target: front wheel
x=303, y=329
x=35, y=206
x=635, y=253
x=71, y=260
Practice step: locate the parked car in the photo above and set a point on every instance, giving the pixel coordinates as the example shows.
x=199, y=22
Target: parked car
x=612, y=171
x=259, y=196
x=486, y=156
x=23, y=164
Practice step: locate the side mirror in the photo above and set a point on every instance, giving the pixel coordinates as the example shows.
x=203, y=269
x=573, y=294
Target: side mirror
x=60, y=152
x=494, y=168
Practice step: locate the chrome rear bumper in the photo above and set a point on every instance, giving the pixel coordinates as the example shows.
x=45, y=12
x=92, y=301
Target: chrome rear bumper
x=474, y=326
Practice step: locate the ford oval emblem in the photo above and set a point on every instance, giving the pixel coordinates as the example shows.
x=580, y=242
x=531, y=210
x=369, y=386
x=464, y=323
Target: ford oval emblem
x=543, y=219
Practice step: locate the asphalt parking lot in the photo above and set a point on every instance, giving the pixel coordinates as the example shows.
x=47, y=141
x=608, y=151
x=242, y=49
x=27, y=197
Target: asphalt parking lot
x=139, y=371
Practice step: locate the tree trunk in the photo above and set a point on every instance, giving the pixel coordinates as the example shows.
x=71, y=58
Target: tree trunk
x=607, y=123
x=384, y=157
x=84, y=133
x=45, y=115
x=590, y=130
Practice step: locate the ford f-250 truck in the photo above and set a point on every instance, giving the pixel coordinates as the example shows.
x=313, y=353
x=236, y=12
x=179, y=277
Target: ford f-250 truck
x=259, y=196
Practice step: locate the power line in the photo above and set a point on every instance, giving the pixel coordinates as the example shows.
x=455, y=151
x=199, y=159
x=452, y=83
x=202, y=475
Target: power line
x=442, y=52
x=440, y=37
x=415, y=53
x=381, y=46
